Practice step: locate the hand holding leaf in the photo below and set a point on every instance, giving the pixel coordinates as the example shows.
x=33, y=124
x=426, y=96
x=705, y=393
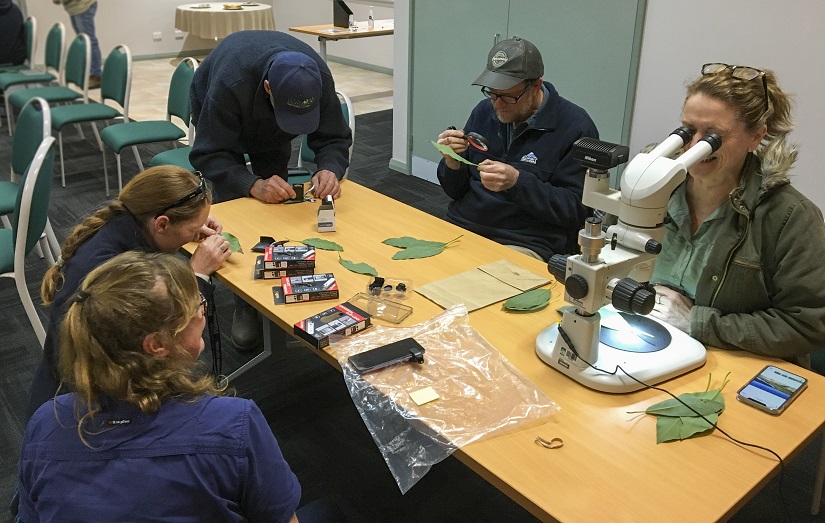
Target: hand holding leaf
x=446, y=149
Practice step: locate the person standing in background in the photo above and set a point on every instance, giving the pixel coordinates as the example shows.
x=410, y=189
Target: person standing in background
x=82, y=13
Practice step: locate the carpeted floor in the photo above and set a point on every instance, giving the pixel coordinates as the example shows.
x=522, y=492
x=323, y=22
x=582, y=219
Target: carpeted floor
x=304, y=398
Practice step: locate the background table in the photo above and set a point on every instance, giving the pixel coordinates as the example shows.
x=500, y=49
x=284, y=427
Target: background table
x=610, y=468
x=330, y=32
x=217, y=22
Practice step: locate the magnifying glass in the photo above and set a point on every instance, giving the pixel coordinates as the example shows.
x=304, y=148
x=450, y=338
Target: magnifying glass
x=474, y=139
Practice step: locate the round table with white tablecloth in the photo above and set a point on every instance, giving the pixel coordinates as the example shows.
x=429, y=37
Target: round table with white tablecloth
x=215, y=20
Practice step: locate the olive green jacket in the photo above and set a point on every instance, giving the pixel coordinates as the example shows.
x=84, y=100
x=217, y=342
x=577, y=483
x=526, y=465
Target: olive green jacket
x=763, y=288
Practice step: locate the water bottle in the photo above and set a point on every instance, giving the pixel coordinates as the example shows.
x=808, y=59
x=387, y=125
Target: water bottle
x=371, y=20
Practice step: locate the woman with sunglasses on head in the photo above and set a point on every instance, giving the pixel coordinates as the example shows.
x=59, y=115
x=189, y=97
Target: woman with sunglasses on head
x=159, y=210
x=741, y=264
x=144, y=436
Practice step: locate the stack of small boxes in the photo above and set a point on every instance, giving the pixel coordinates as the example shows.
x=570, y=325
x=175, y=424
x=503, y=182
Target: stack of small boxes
x=295, y=267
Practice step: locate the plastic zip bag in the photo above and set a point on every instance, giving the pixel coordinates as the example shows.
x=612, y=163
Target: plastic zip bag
x=480, y=393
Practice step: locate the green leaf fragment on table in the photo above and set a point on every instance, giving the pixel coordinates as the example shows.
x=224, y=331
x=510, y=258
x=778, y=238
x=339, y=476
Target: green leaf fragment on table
x=533, y=300
x=676, y=421
x=234, y=244
x=679, y=428
x=419, y=251
x=406, y=242
x=414, y=248
x=446, y=149
x=319, y=243
x=699, y=401
x=360, y=268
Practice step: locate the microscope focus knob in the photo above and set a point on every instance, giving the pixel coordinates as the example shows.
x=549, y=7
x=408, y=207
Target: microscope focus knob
x=576, y=286
x=632, y=296
x=653, y=247
x=558, y=266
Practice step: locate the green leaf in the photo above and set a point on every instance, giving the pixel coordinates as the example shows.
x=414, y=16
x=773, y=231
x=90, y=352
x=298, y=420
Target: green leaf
x=406, y=241
x=419, y=251
x=326, y=245
x=673, y=408
x=446, y=149
x=534, y=300
x=360, y=268
x=234, y=244
x=679, y=428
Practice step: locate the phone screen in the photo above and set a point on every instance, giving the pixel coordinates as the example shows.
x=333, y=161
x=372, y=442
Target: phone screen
x=773, y=387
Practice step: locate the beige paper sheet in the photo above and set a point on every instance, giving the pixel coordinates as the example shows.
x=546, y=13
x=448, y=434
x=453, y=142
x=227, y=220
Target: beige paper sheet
x=482, y=286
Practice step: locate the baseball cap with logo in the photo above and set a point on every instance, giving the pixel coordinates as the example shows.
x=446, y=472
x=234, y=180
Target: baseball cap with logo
x=510, y=62
x=295, y=82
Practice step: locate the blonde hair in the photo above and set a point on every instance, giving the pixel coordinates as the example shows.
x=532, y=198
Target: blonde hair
x=147, y=194
x=133, y=295
x=747, y=97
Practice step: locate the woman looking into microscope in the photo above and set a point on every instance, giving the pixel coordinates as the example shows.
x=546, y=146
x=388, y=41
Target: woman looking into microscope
x=742, y=260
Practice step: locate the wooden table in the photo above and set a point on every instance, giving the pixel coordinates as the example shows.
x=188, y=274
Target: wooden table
x=610, y=467
x=330, y=32
x=216, y=22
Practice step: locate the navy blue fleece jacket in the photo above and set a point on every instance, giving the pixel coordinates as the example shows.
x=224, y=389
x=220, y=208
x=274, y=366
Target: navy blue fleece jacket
x=233, y=115
x=543, y=211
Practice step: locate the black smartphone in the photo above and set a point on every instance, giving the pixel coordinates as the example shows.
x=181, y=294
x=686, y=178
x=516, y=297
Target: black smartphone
x=402, y=350
x=772, y=390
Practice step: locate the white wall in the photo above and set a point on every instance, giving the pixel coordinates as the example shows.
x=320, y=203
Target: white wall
x=129, y=22
x=785, y=36
x=400, y=80
x=376, y=51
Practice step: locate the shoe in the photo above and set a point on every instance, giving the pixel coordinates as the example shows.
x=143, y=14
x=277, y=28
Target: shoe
x=247, y=330
x=94, y=82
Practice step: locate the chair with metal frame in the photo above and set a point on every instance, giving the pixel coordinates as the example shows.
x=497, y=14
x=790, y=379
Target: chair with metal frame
x=131, y=134
x=115, y=85
x=24, y=78
x=34, y=125
x=28, y=222
x=75, y=72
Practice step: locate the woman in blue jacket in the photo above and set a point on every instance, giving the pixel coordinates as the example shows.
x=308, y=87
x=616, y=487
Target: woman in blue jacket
x=159, y=210
x=144, y=435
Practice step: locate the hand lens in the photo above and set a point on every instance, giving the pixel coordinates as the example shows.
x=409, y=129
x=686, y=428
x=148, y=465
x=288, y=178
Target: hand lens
x=476, y=140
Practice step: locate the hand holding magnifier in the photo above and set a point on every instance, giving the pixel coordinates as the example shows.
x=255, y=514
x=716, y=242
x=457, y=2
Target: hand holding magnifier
x=474, y=139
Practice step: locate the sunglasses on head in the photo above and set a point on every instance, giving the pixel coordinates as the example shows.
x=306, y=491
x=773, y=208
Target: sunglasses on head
x=200, y=190
x=741, y=72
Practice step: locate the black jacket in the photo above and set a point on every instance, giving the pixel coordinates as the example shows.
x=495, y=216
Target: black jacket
x=543, y=211
x=233, y=115
x=12, y=34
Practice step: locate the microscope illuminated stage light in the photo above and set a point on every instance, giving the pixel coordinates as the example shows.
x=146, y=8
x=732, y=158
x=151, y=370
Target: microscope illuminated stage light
x=681, y=355
x=614, y=260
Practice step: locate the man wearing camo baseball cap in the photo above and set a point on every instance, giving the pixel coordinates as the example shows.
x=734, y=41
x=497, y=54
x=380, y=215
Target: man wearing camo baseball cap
x=526, y=189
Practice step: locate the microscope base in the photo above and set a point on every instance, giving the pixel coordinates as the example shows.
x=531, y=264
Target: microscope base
x=682, y=355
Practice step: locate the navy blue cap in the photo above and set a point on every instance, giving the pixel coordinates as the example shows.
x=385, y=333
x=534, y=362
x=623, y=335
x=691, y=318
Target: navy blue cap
x=295, y=83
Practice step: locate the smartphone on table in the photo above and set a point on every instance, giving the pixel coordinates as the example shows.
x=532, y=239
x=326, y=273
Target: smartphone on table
x=772, y=390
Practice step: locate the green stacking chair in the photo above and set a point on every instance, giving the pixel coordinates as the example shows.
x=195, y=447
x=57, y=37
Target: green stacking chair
x=9, y=81
x=33, y=126
x=30, y=35
x=75, y=72
x=131, y=134
x=308, y=155
x=28, y=222
x=115, y=85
